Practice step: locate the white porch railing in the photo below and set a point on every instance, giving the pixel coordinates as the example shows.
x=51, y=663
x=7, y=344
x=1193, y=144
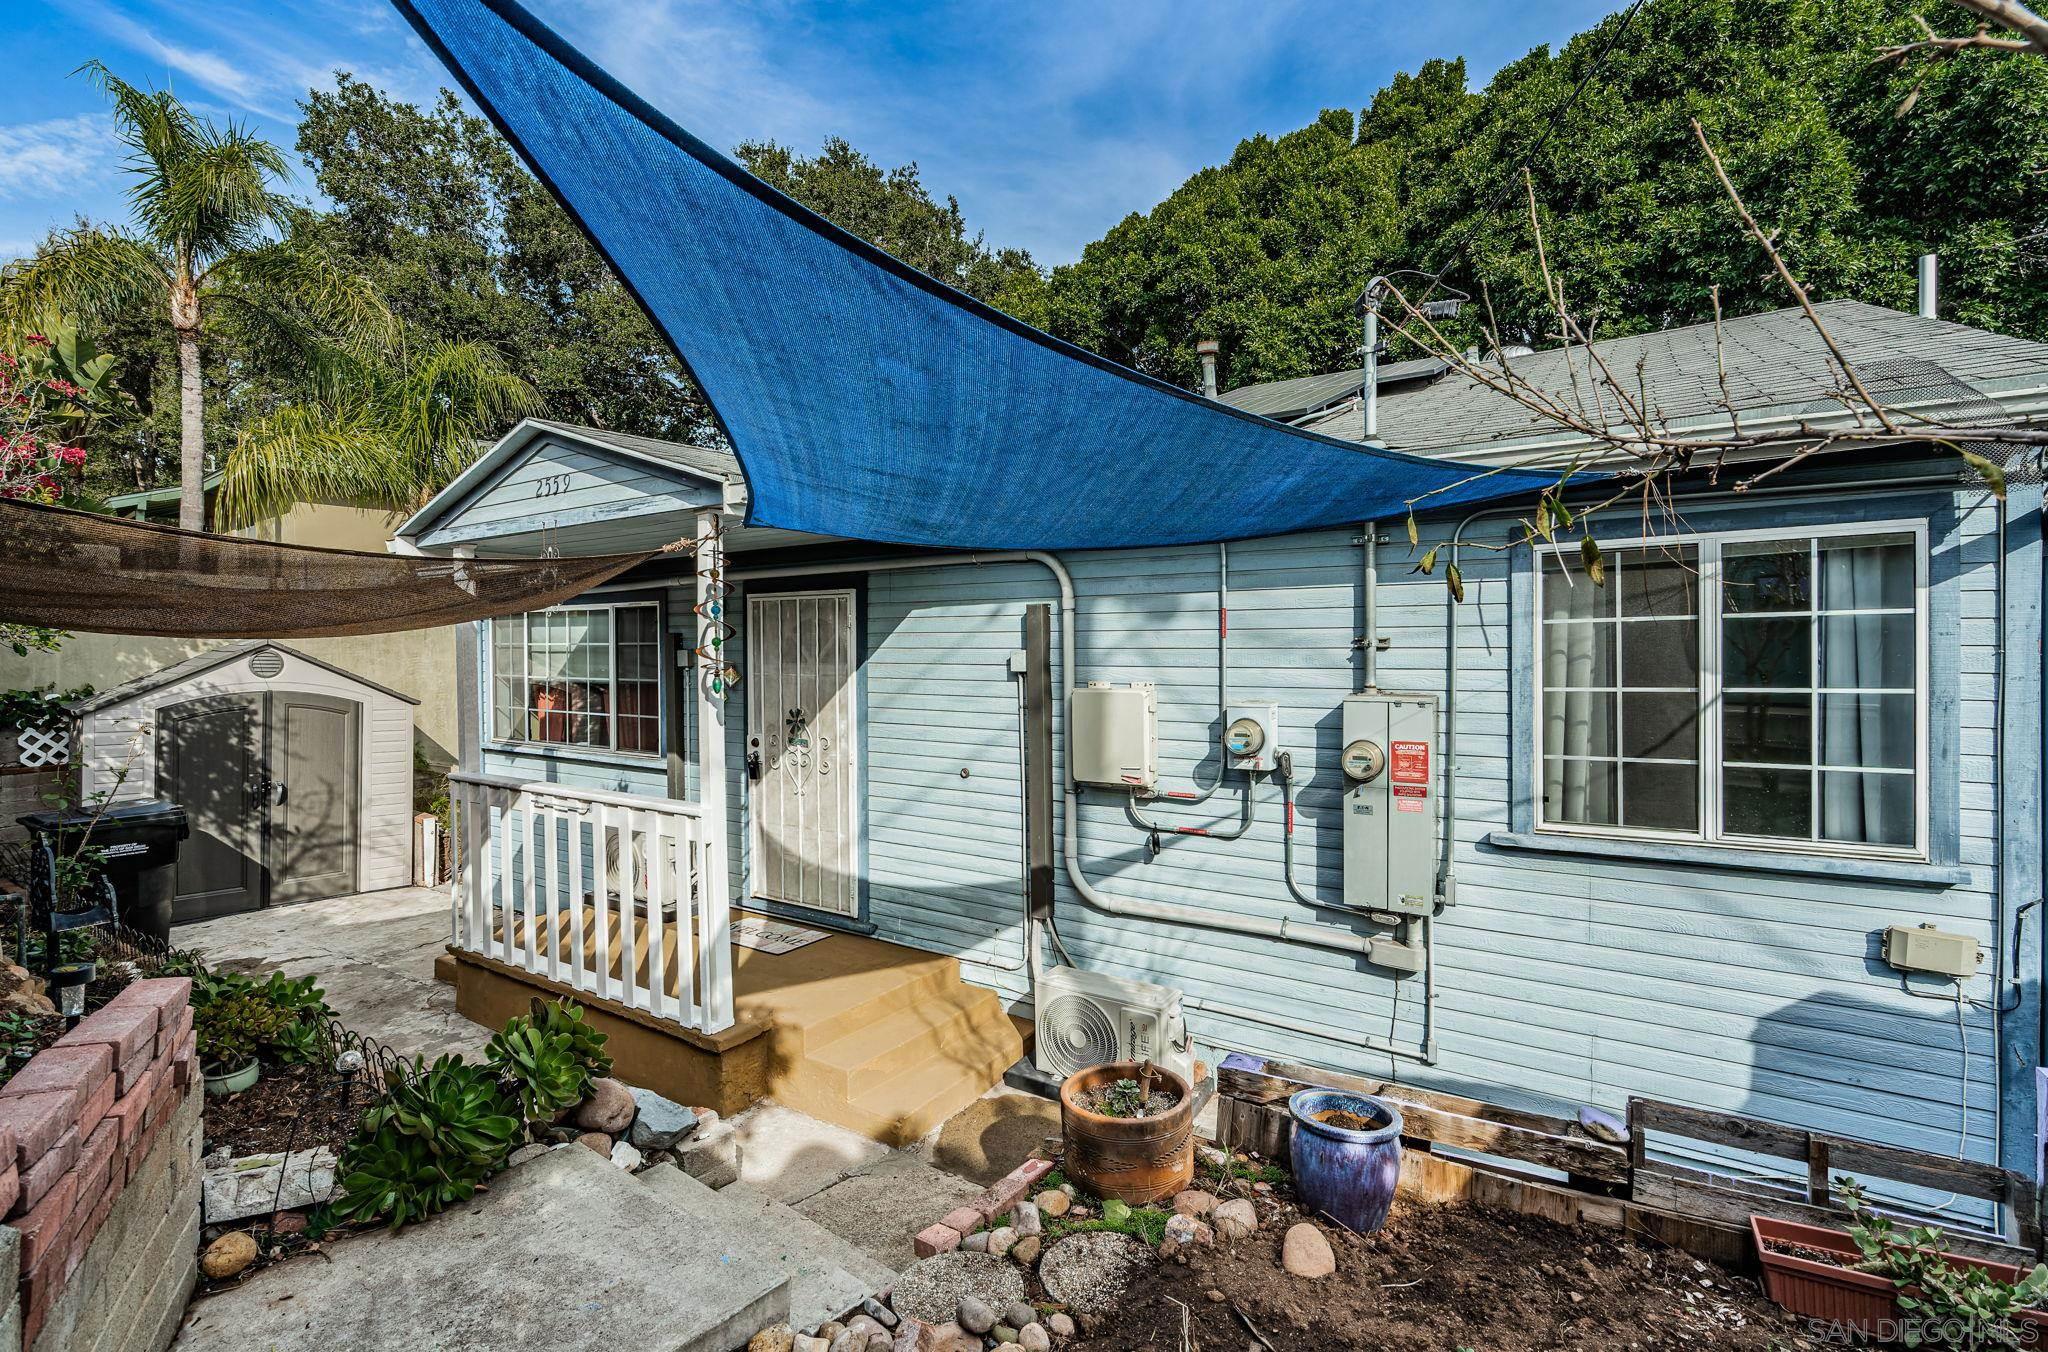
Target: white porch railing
x=602, y=892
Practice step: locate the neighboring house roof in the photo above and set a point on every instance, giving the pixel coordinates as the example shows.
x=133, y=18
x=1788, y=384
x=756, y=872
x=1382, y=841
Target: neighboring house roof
x=1777, y=368
x=1286, y=400
x=211, y=658
x=146, y=498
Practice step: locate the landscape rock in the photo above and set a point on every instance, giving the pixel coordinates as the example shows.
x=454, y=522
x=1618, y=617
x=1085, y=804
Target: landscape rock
x=1019, y=1313
x=864, y=1324
x=975, y=1314
x=625, y=1156
x=1026, y=1250
x=1194, y=1202
x=659, y=1122
x=829, y=1330
x=1183, y=1233
x=1052, y=1202
x=228, y=1255
x=1033, y=1338
x=883, y=1316
x=255, y=1185
x=850, y=1340
x=953, y=1338
x=1088, y=1272
x=1306, y=1253
x=774, y=1338
x=710, y=1155
x=608, y=1108
x=596, y=1140
x=1024, y=1219
x=1235, y=1219
x=1003, y=1333
x=914, y=1335
x=21, y=990
x=807, y=1343
x=1060, y=1324
x=976, y=1242
x=930, y=1291
x=1000, y=1239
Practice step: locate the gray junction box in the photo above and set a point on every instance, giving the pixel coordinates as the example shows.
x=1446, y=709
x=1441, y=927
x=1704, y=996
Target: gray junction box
x=1390, y=803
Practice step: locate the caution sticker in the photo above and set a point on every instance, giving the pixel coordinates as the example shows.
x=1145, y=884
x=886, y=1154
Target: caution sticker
x=1408, y=763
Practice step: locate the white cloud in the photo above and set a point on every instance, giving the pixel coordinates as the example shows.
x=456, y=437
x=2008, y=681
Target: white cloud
x=210, y=69
x=54, y=158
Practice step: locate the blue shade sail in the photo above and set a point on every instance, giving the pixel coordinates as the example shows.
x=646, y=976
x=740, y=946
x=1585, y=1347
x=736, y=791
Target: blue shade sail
x=865, y=399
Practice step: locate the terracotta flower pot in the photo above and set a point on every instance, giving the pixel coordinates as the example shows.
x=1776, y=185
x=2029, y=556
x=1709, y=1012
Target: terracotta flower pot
x=1864, y=1301
x=1138, y=1160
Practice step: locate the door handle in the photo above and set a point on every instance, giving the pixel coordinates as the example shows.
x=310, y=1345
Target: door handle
x=754, y=766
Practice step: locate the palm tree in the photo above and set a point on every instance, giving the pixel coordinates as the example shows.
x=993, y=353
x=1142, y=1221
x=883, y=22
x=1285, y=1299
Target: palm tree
x=210, y=244
x=378, y=433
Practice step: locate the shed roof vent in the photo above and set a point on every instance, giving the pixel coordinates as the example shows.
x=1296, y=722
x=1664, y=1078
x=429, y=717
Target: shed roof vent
x=267, y=663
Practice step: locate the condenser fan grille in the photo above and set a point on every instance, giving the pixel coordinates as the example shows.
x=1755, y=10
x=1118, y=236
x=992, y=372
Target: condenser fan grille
x=1075, y=1032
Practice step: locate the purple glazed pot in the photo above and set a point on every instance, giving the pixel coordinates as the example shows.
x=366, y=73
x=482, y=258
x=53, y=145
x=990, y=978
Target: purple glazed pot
x=1348, y=1176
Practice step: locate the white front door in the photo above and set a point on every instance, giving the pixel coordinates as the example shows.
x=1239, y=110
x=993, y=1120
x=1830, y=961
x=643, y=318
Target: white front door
x=801, y=725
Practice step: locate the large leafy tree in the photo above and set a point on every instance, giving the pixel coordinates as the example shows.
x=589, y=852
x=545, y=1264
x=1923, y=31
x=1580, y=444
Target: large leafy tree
x=210, y=247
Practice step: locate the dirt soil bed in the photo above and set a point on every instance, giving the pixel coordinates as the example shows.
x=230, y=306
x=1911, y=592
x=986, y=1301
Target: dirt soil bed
x=290, y=1108
x=1447, y=1277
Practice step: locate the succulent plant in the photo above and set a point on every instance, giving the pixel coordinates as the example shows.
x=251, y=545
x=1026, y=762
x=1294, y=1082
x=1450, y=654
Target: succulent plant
x=585, y=1042
x=436, y=1134
x=541, y=1067
x=234, y=1029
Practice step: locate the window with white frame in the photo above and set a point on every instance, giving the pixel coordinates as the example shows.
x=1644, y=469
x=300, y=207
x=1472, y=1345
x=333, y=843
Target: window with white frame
x=1752, y=688
x=587, y=676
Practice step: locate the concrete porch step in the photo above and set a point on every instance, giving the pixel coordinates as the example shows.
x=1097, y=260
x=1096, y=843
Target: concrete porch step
x=563, y=1251
x=902, y=1108
x=957, y=1022
x=826, y=1276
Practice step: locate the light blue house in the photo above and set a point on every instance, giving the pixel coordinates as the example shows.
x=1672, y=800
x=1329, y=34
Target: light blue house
x=1678, y=812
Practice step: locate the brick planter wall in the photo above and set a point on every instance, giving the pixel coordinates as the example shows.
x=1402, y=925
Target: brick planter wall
x=99, y=1177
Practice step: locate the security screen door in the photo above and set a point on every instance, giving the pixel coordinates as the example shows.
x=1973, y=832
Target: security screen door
x=801, y=749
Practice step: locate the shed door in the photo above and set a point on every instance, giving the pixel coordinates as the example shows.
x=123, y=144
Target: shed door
x=210, y=760
x=801, y=727
x=313, y=770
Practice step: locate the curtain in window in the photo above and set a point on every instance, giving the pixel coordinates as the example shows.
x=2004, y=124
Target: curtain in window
x=1578, y=723
x=1867, y=668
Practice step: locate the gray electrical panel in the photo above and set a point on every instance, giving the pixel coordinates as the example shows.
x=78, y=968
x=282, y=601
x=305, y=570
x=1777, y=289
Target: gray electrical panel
x=1113, y=735
x=1391, y=779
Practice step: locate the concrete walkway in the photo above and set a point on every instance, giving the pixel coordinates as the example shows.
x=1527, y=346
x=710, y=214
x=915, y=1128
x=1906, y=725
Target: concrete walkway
x=374, y=953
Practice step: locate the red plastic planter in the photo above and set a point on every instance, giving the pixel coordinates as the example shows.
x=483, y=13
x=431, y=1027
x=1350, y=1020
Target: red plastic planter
x=1863, y=1301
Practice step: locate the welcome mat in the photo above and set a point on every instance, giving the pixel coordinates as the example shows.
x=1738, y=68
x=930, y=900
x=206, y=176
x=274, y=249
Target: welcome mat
x=772, y=936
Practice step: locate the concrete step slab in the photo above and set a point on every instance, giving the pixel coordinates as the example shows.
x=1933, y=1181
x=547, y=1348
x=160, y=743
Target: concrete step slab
x=563, y=1251
x=826, y=1275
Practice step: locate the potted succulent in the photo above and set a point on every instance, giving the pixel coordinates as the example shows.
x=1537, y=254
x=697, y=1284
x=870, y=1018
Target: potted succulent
x=1129, y=1128
x=233, y=1031
x=1875, y=1280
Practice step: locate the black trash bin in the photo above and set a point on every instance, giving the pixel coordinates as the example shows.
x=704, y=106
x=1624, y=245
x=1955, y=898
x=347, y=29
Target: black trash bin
x=138, y=847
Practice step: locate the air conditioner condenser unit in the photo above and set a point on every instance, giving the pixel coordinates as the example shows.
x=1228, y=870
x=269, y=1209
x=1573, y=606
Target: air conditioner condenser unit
x=1087, y=1018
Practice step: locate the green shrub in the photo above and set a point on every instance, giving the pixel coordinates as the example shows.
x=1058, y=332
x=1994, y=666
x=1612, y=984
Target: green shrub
x=427, y=1144
x=1973, y=1308
x=566, y=1019
x=299, y=1006
x=542, y=1068
x=234, y=1028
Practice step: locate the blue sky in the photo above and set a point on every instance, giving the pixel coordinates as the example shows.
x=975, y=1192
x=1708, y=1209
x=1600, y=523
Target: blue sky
x=1050, y=121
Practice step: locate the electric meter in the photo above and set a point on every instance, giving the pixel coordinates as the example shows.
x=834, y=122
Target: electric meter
x=1244, y=738
x=1363, y=761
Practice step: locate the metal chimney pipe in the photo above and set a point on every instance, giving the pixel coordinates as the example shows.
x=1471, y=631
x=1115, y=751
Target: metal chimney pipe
x=1930, y=285
x=1207, y=350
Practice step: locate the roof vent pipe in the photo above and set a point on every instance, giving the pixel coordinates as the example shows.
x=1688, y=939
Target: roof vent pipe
x=1207, y=350
x=1930, y=285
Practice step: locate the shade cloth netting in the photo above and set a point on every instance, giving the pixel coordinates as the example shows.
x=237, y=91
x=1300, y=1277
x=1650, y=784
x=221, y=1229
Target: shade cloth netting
x=865, y=399
x=105, y=575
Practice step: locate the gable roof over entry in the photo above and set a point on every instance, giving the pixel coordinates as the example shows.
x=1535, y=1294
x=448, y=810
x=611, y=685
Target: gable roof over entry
x=865, y=399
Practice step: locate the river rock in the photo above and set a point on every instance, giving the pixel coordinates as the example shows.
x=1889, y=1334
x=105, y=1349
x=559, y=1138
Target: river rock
x=658, y=1123
x=598, y=1141
x=1024, y=1219
x=1088, y=1272
x=1060, y=1324
x=915, y=1335
x=953, y=1338
x=1184, y=1233
x=974, y=1243
x=850, y=1340
x=21, y=991
x=1052, y=1202
x=774, y=1338
x=975, y=1314
x=607, y=1108
x=806, y=1342
x=1235, y=1219
x=1306, y=1253
x=1000, y=1239
x=228, y=1255
x=1194, y=1202
x=1026, y=1250
x=1033, y=1338
x=1019, y=1313
x=931, y=1290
